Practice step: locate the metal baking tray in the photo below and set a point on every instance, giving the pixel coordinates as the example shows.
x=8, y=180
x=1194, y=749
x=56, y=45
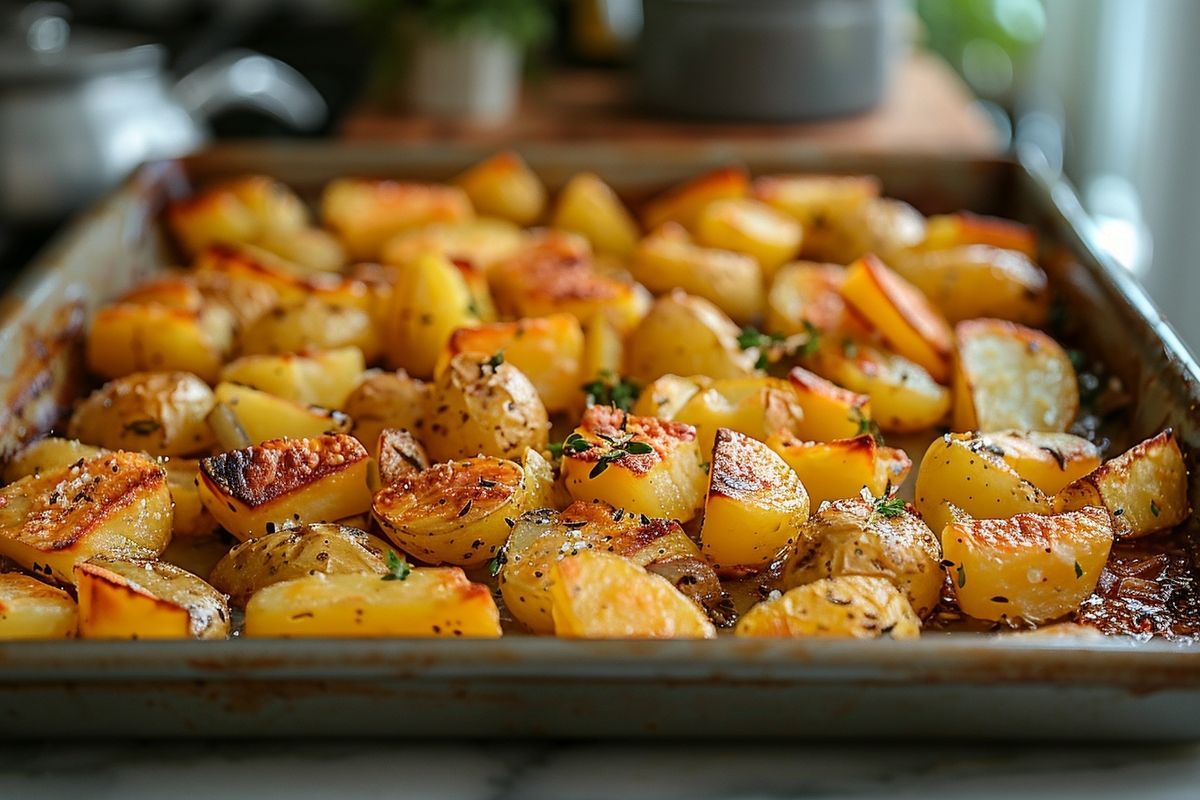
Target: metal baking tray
x=944, y=685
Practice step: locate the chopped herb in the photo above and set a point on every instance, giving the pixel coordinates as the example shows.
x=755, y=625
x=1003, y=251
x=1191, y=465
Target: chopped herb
x=556, y=449
x=575, y=444
x=472, y=308
x=888, y=506
x=466, y=509
x=773, y=346
x=849, y=348
x=1154, y=509
x=486, y=484
x=398, y=568
x=494, y=564
x=962, y=576
x=143, y=427
x=496, y=360
x=618, y=448
x=1078, y=570
x=865, y=424
x=612, y=390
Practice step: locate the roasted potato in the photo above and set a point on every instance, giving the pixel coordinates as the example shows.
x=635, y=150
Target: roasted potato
x=805, y=295
x=47, y=455
x=244, y=209
x=161, y=413
x=1145, y=488
x=312, y=324
x=603, y=352
x=754, y=508
x=1010, y=376
x=667, y=260
x=849, y=607
x=190, y=519
x=134, y=337
x=116, y=504
x=430, y=301
x=683, y=203
x=504, y=186
x=875, y=536
x=686, y=335
x=588, y=207
x=664, y=397
x=482, y=405
x=481, y=242
x=29, y=609
x=310, y=249
x=1049, y=461
x=964, y=470
x=547, y=350
x=1031, y=567
x=540, y=539
x=642, y=464
x=831, y=210
x=387, y=400
x=842, y=468
x=365, y=214
x=294, y=553
x=978, y=281
x=399, y=455
x=748, y=226
x=828, y=411
x=323, y=378
x=250, y=280
x=457, y=512
x=123, y=598
x=758, y=407
x=260, y=489
x=262, y=416
x=905, y=319
x=598, y=595
x=424, y=602
x=964, y=229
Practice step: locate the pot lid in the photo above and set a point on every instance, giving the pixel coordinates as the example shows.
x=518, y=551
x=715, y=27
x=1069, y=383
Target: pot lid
x=38, y=43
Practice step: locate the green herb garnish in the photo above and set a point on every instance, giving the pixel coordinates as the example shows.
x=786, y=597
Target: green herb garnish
x=888, y=506
x=1154, y=509
x=618, y=448
x=962, y=576
x=865, y=425
x=143, y=427
x=773, y=346
x=612, y=390
x=494, y=564
x=398, y=568
x=1078, y=570
x=496, y=360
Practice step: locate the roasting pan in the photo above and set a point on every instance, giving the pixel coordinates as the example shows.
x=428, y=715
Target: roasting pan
x=944, y=685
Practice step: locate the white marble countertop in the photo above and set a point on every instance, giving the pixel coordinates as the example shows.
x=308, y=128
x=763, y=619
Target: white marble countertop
x=631, y=771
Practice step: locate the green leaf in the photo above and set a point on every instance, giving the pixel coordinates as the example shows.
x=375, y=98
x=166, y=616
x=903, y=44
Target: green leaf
x=962, y=576
x=889, y=506
x=398, y=568
x=494, y=564
x=496, y=360
x=612, y=390
x=638, y=449
x=1154, y=509
x=598, y=470
x=143, y=427
x=1078, y=570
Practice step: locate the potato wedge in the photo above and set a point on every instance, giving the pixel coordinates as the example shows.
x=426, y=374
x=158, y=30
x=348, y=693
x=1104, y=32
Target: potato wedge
x=482, y=242
x=482, y=405
x=910, y=325
x=134, y=337
x=806, y=294
x=684, y=202
x=603, y=351
x=664, y=397
x=588, y=207
x=143, y=599
x=161, y=413
x=978, y=281
x=1049, y=461
x=1030, y=567
x=842, y=468
x=190, y=519
x=847, y=607
x=46, y=455
x=456, y=512
x=686, y=335
x=948, y=231
x=758, y=407
x=540, y=539
x=829, y=208
x=264, y=416
x=293, y=553
x=242, y=209
x=324, y=378
x=365, y=214
x=871, y=537
x=260, y=489
x=115, y=504
x=387, y=400
x=903, y=395
x=310, y=249
x=748, y=226
x=1145, y=488
x=642, y=464
x=399, y=455
x=430, y=301
x=29, y=609
x=829, y=411
x=504, y=186
x=547, y=350
x=754, y=508
x=312, y=324
x=667, y=260
x=598, y=595
x=1009, y=376
x=428, y=602
x=964, y=470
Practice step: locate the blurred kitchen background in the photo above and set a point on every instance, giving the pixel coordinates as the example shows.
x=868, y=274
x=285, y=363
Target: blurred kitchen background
x=1103, y=91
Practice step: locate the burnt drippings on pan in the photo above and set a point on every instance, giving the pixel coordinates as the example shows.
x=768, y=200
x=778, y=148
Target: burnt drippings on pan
x=1148, y=588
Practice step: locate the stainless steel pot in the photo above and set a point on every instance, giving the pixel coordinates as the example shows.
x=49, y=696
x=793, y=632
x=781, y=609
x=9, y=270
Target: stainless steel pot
x=79, y=109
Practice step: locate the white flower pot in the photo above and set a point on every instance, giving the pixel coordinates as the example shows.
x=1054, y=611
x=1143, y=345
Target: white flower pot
x=470, y=76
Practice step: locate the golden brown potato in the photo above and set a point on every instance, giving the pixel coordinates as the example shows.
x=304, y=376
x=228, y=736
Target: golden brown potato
x=414, y=603
x=748, y=226
x=754, y=508
x=758, y=407
x=399, y=455
x=1048, y=460
x=387, y=400
x=161, y=413
x=261, y=416
x=540, y=539
x=831, y=210
x=878, y=537
x=310, y=249
x=642, y=464
x=805, y=295
x=190, y=519
x=588, y=207
x=311, y=324
x=29, y=609
x=664, y=397
x=964, y=229
x=504, y=186
x=829, y=411
x=843, y=467
x=482, y=242
x=1010, y=376
x=260, y=489
x=323, y=378
x=667, y=260
x=1145, y=488
x=134, y=337
x=242, y=209
x=598, y=595
x=250, y=280
x=978, y=281
x=143, y=599
x=365, y=214
x=686, y=335
x=684, y=202
x=482, y=405
x=294, y=553
x=46, y=455
x=1032, y=567
x=430, y=301
x=116, y=504
x=851, y=607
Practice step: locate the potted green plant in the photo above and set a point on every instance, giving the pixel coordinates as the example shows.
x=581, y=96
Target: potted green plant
x=462, y=59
